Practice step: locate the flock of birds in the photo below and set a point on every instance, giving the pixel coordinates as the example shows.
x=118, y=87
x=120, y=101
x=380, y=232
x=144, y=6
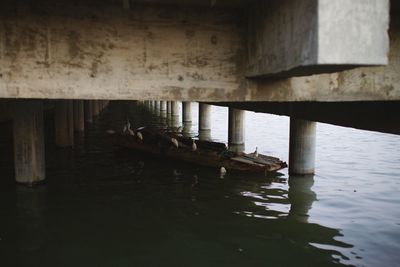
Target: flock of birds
x=127, y=130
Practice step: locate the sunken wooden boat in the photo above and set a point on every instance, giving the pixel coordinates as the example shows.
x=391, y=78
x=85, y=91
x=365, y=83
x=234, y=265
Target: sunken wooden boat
x=205, y=153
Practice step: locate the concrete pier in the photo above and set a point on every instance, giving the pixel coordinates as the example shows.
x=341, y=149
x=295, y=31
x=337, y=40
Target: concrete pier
x=95, y=108
x=79, y=117
x=175, y=114
x=169, y=106
x=88, y=111
x=204, y=117
x=29, y=159
x=157, y=108
x=163, y=110
x=236, y=127
x=302, y=147
x=175, y=108
x=163, y=106
x=204, y=121
x=64, y=124
x=186, y=112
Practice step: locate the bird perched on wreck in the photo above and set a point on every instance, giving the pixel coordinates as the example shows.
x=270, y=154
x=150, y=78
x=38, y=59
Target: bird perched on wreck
x=175, y=142
x=222, y=172
x=140, y=136
x=130, y=132
x=127, y=127
x=255, y=154
x=194, y=146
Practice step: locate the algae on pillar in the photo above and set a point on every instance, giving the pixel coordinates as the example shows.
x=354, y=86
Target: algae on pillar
x=28, y=131
x=302, y=146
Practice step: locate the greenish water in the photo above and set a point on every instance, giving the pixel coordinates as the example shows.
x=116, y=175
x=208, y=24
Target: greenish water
x=106, y=206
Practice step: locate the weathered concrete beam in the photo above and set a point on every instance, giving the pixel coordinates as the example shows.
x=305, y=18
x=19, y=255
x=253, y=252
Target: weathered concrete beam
x=288, y=38
x=100, y=51
x=86, y=51
x=373, y=116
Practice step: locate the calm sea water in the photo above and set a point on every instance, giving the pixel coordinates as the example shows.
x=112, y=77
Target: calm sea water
x=106, y=206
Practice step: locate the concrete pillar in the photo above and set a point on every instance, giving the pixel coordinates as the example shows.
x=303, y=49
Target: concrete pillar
x=175, y=114
x=157, y=107
x=187, y=112
x=169, y=103
x=236, y=127
x=175, y=108
x=101, y=105
x=163, y=106
x=95, y=108
x=204, y=117
x=88, y=111
x=302, y=146
x=151, y=105
x=163, y=110
x=29, y=159
x=64, y=123
x=79, y=117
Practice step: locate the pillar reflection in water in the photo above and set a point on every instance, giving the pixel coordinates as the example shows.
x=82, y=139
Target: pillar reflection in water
x=301, y=196
x=30, y=208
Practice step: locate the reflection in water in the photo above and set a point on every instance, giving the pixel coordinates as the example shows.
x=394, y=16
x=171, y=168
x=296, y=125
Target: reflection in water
x=286, y=214
x=301, y=196
x=30, y=207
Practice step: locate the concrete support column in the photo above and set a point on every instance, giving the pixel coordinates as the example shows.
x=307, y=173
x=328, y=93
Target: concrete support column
x=175, y=114
x=204, y=117
x=175, y=108
x=163, y=110
x=79, y=117
x=302, y=146
x=169, y=105
x=163, y=106
x=88, y=111
x=151, y=105
x=187, y=112
x=95, y=108
x=64, y=123
x=204, y=121
x=29, y=159
x=236, y=127
x=157, y=107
